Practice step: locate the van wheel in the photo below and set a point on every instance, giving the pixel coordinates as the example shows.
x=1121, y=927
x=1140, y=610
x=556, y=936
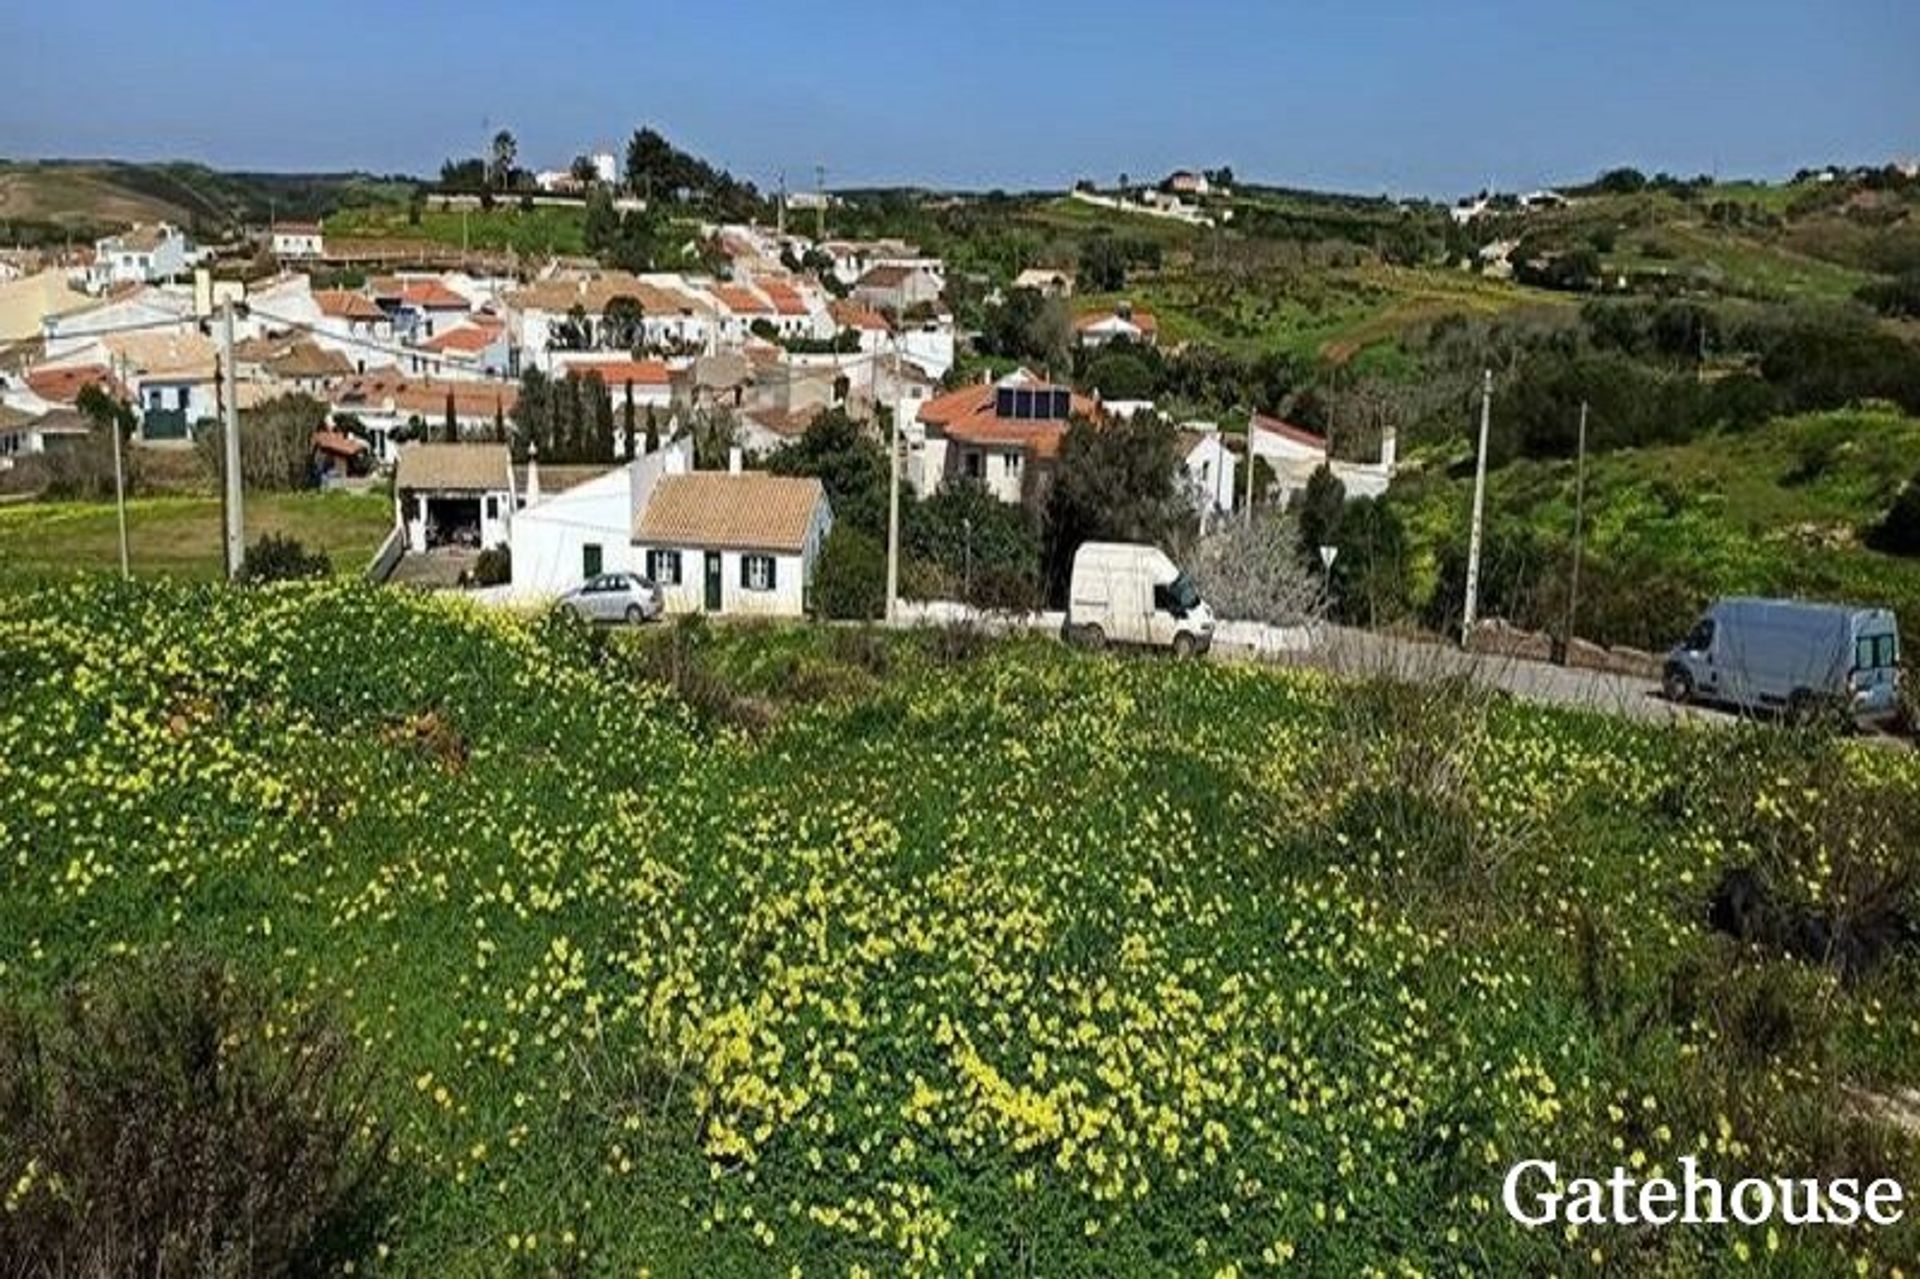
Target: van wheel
x=1184, y=646
x=1677, y=685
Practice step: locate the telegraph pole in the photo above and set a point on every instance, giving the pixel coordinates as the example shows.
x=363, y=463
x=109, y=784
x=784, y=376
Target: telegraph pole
x=230, y=446
x=893, y=494
x=120, y=482
x=780, y=208
x=1470, y=613
x=1579, y=521
x=1247, y=515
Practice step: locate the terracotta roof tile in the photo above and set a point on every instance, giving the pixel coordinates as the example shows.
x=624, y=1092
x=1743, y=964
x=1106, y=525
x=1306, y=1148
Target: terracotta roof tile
x=748, y=511
x=347, y=305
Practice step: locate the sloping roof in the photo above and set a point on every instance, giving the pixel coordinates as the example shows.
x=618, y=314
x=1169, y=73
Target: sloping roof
x=338, y=445
x=617, y=373
x=347, y=305
x=849, y=314
x=471, y=338
x=788, y=423
x=432, y=295
x=60, y=421
x=741, y=300
x=971, y=416
x=25, y=302
x=747, y=511
x=426, y=398
x=1287, y=430
x=786, y=299
x=183, y=355
x=474, y=468
x=63, y=386
x=307, y=360
x=592, y=295
x=884, y=277
x=1139, y=319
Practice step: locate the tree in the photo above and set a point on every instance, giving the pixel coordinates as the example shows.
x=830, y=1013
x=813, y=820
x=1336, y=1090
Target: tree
x=850, y=465
x=850, y=580
x=985, y=551
x=582, y=170
x=600, y=445
x=1898, y=532
x=1321, y=505
x=1370, y=575
x=452, y=425
x=714, y=437
x=1120, y=373
x=1114, y=482
x=653, y=430
x=277, y=558
x=629, y=424
x=622, y=325
x=1252, y=571
x=1103, y=264
x=505, y=150
x=276, y=443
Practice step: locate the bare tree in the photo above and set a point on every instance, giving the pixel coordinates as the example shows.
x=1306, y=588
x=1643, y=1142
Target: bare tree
x=1254, y=572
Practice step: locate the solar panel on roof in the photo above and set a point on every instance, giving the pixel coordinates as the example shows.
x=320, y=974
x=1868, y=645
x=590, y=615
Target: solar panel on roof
x=1023, y=404
x=1003, y=402
x=1062, y=404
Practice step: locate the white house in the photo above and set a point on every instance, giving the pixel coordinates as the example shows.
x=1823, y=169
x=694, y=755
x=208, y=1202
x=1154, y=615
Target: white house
x=386, y=405
x=1004, y=435
x=140, y=256
x=561, y=540
x=353, y=324
x=453, y=495
x=1295, y=453
x=297, y=241
x=733, y=541
x=23, y=433
x=69, y=332
x=1125, y=322
x=1211, y=469
x=1048, y=282
x=896, y=289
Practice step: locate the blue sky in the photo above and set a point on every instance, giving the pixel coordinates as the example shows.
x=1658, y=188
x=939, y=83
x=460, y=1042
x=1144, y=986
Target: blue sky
x=1362, y=95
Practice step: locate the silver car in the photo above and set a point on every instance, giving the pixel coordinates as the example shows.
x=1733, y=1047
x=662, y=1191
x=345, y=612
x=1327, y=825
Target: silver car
x=614, y=597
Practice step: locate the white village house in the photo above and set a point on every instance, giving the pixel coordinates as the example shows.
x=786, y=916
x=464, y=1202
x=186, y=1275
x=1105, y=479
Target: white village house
x=1295, y=453
x=562, y=539
x=297, y=241
x=734, y=541
x=453, y=495
x=140, y=256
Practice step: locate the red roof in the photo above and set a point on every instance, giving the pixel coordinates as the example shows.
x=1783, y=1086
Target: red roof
x=63, y=386
x=1287, y=430
x=740, y=299
x=337, y=444
x=617, y=373
x=346, y=305
x=425, y=397
x=969, y=415
x=432, y=295
x=471, y=339
x=849, y=314
x=785, y=298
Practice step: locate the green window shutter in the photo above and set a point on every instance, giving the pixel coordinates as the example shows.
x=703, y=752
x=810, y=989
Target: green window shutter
x=590, y=559
x=773, y=573
x=743, y=571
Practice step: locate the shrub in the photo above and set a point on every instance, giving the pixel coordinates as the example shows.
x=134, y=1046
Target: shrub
x=171, y=1122
x=1898, y=532
x=851, y=578
x=279, y=558
x=494, y=567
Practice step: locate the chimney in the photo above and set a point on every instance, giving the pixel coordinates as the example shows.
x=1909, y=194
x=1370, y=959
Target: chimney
x=533, y=473
x=733, y=460
x=1389, y=448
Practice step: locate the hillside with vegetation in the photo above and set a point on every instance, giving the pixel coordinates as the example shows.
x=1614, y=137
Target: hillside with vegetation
x=451, y=943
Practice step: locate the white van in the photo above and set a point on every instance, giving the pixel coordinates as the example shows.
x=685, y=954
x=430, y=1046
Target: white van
x=1131, y=594
x=1791, y=656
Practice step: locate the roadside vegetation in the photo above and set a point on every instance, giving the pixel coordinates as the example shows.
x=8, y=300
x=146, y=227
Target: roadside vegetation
x=733, y=949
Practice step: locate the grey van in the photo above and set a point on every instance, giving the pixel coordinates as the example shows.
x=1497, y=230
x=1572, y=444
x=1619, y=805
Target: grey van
x=1786, y=655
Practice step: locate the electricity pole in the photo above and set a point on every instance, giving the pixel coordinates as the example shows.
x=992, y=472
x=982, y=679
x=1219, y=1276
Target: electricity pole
x=230, y=446
x=893, y=494
x=1579, y=520
x=120, y=482
x=1247, y=515
x=1470, y=613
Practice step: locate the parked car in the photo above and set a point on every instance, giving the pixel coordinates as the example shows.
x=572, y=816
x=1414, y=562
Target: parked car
x=1786, y=655
x=1126, y=593
x=614, y=597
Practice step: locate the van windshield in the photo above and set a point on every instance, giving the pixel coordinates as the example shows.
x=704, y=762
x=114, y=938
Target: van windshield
x=1184, y=594
x=1876, y=652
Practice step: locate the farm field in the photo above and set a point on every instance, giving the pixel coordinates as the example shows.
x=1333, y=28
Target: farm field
x=180, y=536
x=754, y=950
x=544, y=229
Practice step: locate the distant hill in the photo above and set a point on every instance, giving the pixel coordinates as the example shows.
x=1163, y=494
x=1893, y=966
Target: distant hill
x=49, y=200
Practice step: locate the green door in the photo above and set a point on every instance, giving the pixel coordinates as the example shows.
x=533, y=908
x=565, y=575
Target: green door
x=713, y=581
x=591, y=560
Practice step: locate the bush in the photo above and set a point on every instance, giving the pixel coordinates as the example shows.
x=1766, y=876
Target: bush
x=1898, y=532
x=278, y=558
x=276, y=443
x=851, y=578
x=494, y=567
x=173, y=1123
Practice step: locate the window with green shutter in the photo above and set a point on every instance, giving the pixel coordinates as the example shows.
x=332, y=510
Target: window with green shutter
x=757, y=572
x=590, y=559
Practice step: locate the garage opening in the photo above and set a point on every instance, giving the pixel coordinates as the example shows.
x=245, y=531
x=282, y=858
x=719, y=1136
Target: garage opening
x=453, y=521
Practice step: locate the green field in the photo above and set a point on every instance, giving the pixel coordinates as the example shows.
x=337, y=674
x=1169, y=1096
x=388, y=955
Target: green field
x=543, y=229
x=870, y=955
x=181, y=536
x=1779, y=510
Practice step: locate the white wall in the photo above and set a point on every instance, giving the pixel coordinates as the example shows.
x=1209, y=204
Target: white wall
x=549, y=538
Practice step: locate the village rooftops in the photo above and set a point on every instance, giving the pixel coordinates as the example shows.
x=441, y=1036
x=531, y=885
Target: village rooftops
x=1013, y=412
x=425, y=398
x=748, y=510
x=592, y=294
x=619, y=372
x=306, y=361
x=454, y=468
x=469, y=338
x=63, y=385
x=849, y=314
x=342, y=304
x=1120, y=314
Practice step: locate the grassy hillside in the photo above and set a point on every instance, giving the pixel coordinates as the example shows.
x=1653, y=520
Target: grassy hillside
x=180, y=536
x=89, y=197
x=912, y=955
x=541, y=230
x=1780, y=510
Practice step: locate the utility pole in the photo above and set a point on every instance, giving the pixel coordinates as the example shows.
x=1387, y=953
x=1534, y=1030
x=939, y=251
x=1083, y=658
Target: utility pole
x=120, y=481
x=893, y=494
x=230, y=442
x=1469, y=614
x=780, y=209
x=1579, y=522
x=1247, y=515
